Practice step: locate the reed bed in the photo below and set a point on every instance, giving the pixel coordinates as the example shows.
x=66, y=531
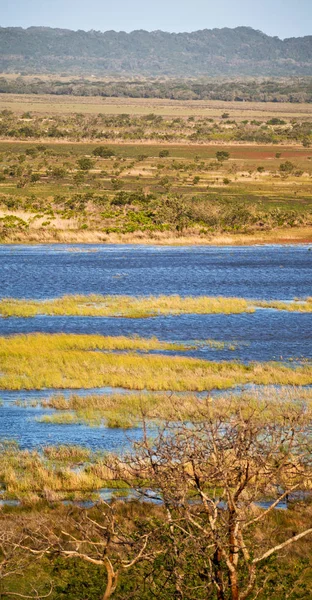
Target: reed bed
x=55, y=473
x=60, y=419
x=294, y=306
x=67, y=454
x=77, y=342
x=117, y=410
x=129, y=410
x=141, y=307
x=60, y=361
x=122, y=306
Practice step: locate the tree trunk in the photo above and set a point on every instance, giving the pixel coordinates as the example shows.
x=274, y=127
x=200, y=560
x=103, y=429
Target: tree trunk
x=233, y=555
x=234, y=586
x=218, y=574
x=112, y=579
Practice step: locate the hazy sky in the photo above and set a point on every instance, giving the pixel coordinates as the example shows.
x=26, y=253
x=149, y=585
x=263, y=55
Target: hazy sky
x=285, y=18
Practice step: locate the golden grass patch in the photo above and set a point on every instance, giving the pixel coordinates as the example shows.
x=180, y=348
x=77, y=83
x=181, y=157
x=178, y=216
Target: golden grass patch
x=62, y=361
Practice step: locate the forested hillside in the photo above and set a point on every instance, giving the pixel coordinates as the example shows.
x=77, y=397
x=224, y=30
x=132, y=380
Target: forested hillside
x=240, y=51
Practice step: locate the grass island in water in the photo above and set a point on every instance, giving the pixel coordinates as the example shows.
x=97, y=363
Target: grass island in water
x=60, y=361
x=142, y=307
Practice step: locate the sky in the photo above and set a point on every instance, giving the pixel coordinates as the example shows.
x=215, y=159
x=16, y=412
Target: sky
x=283, y=18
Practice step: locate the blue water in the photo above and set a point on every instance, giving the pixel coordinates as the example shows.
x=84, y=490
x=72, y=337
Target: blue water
x=262, y=336
x=21, y=424
x=264, y=272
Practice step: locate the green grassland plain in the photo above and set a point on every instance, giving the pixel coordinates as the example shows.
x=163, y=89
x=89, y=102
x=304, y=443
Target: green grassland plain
x=171, y=171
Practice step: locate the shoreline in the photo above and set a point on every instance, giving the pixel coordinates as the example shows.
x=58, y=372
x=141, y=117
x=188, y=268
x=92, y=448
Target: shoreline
x=285, y=237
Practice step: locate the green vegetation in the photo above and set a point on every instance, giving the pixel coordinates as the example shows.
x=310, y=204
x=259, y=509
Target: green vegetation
x=240, y=51
x=98, y=170
x=57, y=472
x=210, y=475
x=74, y=361
x=289, y=574
x=181, y=174
x=56, y=192
x=105, y=128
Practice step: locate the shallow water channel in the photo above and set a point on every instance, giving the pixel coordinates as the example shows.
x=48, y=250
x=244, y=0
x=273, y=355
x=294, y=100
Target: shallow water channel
x=263, y=273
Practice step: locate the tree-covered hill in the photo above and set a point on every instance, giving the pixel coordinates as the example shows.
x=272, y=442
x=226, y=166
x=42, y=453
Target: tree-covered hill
x=240, y=51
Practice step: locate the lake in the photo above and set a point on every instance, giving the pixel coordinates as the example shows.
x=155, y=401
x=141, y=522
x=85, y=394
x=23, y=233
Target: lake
x=261, y=272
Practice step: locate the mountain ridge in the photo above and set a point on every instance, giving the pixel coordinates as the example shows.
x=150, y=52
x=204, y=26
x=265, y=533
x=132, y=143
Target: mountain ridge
x=206, y=52
x=153, y=31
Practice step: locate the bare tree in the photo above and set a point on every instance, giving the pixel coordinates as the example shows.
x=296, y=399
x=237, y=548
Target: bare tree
x=109, y=540
x=212, y=475
x=14, y=561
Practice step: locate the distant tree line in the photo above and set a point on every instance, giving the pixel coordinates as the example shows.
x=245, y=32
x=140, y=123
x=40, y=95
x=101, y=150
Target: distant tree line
x=289, y=89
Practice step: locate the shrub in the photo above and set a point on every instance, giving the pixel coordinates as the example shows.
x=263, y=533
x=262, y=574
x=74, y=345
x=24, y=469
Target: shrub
x=287, y=167
x=59, y=172
x=276, y=121
x=11, y=223
x=85, y=164
x=103, y=152
x=222, y=155
x=34, y=177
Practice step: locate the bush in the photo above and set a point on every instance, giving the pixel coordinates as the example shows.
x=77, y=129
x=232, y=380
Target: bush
x=34, y=177
x=222, y=155
x=11, y=223
x=77, y=579
x=85, y=164
x=31, y=152
x=103, y=152
x=287, y=167
x=59, y=172
x=276, y=121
